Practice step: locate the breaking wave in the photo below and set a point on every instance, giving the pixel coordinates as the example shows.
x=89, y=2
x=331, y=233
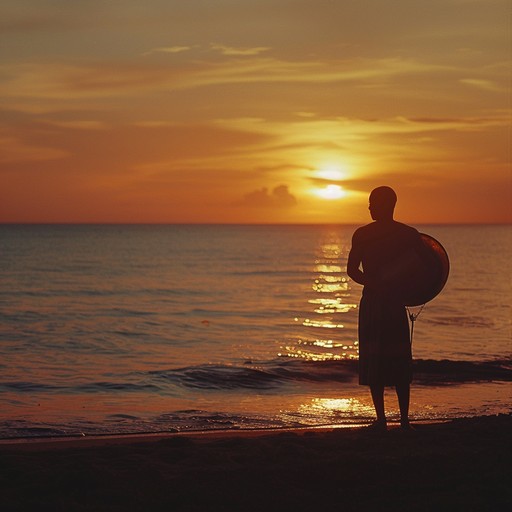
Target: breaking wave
x=273, y=375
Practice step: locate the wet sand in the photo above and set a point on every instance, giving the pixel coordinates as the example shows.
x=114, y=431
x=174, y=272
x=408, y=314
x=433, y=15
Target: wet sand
x=460, y=465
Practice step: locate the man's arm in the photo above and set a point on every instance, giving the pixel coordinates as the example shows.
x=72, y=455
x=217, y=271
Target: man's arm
x=354, y=262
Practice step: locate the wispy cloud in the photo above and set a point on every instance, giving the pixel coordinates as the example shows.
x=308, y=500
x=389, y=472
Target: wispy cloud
x=486, y=85
x=203, y=50
x=238, y=51
x=169, y=49
x=57, y=80
x=12, y=149
x=77, y=124
x=272, y=70
x=346, y=130
x=73, y=81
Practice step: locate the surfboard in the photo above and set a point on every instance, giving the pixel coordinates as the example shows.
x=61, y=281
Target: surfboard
x=439, y=272
x=419, y=275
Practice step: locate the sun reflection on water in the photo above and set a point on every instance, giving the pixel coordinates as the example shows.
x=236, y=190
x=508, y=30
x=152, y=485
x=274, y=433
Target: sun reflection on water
x=322, y=267
x=332, y=308
x=326, y=324
x=330, y=408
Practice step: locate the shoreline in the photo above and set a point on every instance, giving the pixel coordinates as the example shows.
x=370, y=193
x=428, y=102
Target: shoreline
x=95, y=440
x=462, y=464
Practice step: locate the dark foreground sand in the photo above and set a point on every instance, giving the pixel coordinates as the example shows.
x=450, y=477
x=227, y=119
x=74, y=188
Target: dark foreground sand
x=464, y=465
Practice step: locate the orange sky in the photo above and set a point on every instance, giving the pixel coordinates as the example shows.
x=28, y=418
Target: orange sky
x=254, y=110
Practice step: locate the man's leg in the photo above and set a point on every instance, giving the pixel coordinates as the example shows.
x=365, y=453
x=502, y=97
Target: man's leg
x=403, y=392
x=377, y=392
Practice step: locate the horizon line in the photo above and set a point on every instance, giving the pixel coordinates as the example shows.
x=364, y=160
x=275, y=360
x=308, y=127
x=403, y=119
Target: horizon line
x=60, y=223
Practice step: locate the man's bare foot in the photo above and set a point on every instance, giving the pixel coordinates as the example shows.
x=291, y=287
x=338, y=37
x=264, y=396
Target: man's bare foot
x=378, y=426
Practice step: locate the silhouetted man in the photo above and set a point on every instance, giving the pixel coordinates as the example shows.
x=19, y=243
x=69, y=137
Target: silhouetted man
x=385, y=357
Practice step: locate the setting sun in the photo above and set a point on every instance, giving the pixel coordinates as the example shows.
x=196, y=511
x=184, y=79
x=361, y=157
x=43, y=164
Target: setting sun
x=331, y=192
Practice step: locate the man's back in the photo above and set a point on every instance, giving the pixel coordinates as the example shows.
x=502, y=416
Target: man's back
x=382, y=245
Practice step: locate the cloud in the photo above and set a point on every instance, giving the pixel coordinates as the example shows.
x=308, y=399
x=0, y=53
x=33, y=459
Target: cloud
x=169, y=49
x=226, y=50
x=280, y=197
x=78, y=124
x=272, y=70
x=103, y=79
x=15, y=150
x=338, y=133
x=229, y=50
x=486, y=85
x=62, y=82
x=456, y=124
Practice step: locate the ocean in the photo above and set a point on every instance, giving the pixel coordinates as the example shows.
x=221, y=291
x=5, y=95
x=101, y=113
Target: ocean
x=116, y=329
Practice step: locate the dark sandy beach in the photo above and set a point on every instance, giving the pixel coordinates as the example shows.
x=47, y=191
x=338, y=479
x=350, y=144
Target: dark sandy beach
x=461, y=465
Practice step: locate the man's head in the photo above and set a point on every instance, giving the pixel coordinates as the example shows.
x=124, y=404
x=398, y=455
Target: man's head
x=382, y=203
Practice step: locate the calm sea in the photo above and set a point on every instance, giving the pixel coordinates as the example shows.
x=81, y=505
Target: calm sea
x=117, y=329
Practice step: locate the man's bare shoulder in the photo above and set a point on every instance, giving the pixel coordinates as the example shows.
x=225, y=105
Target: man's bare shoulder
x=362, y=233
x=406, y=228
x=379, y=229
